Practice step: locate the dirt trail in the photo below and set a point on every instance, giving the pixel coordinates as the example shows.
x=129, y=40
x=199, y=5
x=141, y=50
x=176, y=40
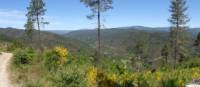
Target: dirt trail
x=4, y=77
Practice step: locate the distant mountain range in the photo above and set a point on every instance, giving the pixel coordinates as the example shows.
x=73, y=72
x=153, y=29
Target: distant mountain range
x=116, y=42
x=60, y=32
x=149, y=29
x=119, y=42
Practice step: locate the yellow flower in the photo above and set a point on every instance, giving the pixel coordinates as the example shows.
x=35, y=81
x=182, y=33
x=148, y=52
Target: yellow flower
x=158, y=76
x=147, y=74
x=181, y=83
x=113, y=77
x=62, y=53
x=92, y=76
x=195, y=75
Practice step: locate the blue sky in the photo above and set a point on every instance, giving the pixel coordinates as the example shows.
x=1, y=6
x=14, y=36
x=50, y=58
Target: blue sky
x=71, y=14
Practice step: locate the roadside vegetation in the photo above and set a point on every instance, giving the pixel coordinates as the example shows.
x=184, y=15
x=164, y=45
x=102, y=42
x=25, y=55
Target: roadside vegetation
x=58, y=68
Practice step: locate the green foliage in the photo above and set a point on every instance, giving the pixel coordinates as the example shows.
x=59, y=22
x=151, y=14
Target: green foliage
x=12, y=39
x=178, y=37
x=191, y=63
x=36, y=8
x=31, y=84
x=178, y=9
x=121, y=42
x=51, y=60
x=16, y=44
x=169, y=83
x=56, y=57
x=197, y=46
x=97, y=6
x=68, y=77
x=165, y=53
x=23, y=57
x=70, y=74
x=141, y=46
x=29, y=28
x=197, y=41
x=143, y=83
x=114, y=73
x=36, y=11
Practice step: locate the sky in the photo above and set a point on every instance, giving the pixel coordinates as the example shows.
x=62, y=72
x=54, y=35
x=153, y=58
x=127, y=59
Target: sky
x=71, y=14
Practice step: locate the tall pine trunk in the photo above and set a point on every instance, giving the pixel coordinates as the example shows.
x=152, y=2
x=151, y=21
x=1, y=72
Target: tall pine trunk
x=99, y=33
x=39, y=37
x=176, y=47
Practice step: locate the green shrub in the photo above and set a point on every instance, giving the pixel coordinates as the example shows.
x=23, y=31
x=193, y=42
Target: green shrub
x=32, y=84
x=23, y=57
x=56, y=57
x=17, y=44
x=169, y=83
x=69, y=80
x=50, y=60
x=69, y=76
x=142, y=82
x=193, y=62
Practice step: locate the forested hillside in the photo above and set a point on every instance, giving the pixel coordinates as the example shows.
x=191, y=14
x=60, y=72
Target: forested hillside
x=121, y=42
x=18, y=38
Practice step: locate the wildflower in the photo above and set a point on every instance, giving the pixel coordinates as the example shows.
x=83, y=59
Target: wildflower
x=195, y=75
x=62, y=53
x=113, y=77
x=147, y=74
x=181, y=83
x=158, y=76
x=92, y=76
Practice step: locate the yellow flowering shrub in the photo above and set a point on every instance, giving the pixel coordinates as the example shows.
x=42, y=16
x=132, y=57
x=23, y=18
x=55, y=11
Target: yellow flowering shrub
x=195, y=73
x=113, y=77
x=97, y=77
x=176, y=78
x=58, y=56
x=62, y=53
x=181, y=83
x=158, y=76
x=92, y=76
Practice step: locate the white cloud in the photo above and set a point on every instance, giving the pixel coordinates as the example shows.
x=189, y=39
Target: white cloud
x=16, y=14
x=17, y=19
x=12, y=18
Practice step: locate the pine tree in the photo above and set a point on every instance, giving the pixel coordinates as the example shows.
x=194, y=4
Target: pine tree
x=165, y=52
x=197, y=45
x=197, y=41
x=97, y=7
x=141, y=46
x=29, y=28
x=140, y=49
x=36, y=10
x=178, y=21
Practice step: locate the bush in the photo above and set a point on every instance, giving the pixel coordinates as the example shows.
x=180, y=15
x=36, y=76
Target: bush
x=97, y=78
x=169, y=83
x=191, y=63
x=68, y=76
x=74, y=79
x=56, y=57
x=23, y=57
x=17, y=44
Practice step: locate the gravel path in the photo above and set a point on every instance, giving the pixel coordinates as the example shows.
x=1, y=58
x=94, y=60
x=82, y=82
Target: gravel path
x=4, y=77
